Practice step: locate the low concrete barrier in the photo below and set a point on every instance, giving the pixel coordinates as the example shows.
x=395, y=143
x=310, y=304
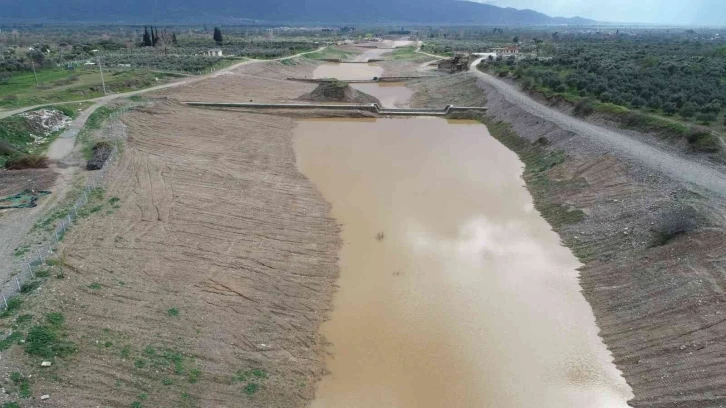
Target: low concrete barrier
x=341, y=61
x=362, y=81
x=372, y=107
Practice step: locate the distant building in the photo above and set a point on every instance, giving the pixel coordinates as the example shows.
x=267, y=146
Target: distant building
x=216, y=52
x=506, y=50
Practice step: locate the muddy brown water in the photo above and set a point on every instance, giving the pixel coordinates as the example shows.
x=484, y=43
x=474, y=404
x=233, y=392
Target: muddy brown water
x=347, y=71
x=391, y=94
x=453, y=290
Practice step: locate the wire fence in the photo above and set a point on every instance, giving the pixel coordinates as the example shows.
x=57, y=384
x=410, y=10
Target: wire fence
x=36, y=261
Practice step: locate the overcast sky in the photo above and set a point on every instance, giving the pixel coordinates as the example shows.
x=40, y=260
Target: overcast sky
x=703, y=12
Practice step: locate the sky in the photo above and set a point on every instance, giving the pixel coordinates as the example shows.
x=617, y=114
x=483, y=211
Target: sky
x=699, y=12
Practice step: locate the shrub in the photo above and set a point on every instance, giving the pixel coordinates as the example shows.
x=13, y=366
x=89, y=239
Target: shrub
x=5, y=78
x=703, y=140
x=584, y=107
x=6, y=149
x=28, y=161
x=675, y=222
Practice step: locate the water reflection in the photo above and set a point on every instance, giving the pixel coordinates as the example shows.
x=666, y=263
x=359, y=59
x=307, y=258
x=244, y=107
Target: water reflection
x=454, y=292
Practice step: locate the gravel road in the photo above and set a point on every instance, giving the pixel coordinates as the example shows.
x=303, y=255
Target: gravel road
x=668, y=163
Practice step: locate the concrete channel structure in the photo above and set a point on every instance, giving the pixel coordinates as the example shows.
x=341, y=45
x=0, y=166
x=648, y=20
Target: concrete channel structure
x=372, y=107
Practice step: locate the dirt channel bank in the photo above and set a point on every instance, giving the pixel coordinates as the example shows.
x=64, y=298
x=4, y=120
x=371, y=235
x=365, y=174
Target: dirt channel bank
x=660, y=306
x=204, y=275
x=204, y=284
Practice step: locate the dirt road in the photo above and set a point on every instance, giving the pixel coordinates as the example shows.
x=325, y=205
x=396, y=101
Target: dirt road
x=677, y=167
x=108, y=98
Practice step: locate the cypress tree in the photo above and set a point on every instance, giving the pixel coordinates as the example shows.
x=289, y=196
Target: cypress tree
x=173, y=38
x=217, y=35
x=156, y=37
x=153, y=37
x=147, y=38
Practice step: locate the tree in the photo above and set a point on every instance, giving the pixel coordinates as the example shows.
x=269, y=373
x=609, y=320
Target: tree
x=706, y=118
x=147, y=38
x=217, y=35
x=637, y=102
x=655, y=103
x=4, y=77
x=537, y=43
x=516, y=40
x=173, y=38
x=153, y=37
x=670, y=108
x=688, y=110
x=156, y=37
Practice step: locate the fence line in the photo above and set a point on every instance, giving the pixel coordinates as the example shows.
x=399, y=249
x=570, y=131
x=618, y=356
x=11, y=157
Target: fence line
x=35, y=262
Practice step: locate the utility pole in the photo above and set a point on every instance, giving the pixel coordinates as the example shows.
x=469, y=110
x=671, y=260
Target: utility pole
x=102, y=81
x=36, y=75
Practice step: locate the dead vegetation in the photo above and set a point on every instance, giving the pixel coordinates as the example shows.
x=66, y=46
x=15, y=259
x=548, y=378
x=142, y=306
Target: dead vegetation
x=27, y=161
x=99, y=154
x=338, y=91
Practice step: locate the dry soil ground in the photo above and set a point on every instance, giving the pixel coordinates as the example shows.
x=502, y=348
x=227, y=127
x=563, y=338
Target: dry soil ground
x=211, y=257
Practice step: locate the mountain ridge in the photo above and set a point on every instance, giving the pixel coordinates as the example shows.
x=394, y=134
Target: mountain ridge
x=273, y=11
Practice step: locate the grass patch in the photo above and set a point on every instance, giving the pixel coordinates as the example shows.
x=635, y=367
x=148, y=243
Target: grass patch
x=30, y=286
x=23, y=319
x=13, y=338
x=47, y=342
x=173, y=312
x=21, y=251
x=251, y=388
x=95, y=286
x=13, y=305
x=55, y=318
x=23, y=384
x=405, y=53
x=329, y=53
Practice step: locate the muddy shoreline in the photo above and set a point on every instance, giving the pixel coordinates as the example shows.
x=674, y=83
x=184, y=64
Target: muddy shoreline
x=659, y=307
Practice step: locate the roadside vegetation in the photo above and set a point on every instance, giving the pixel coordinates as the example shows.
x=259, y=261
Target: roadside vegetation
x=670, y=84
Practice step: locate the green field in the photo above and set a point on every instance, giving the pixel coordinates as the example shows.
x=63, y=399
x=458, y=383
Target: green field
x=56, y=85
x=330, y=53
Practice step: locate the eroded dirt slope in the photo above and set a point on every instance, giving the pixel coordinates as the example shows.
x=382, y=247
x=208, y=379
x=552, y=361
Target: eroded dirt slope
x=219, y=250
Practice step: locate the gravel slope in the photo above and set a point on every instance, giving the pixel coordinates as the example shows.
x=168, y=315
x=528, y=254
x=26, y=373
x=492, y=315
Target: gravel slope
x=668, y=163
